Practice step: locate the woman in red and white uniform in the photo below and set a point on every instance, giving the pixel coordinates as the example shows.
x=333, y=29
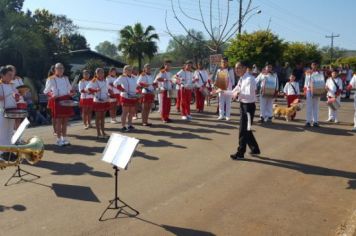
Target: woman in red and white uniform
x=146, y=82
x=185, y=79
x=164, y=80
x=59, y=88
x=201, y=79
x=98, y=87
x=50, y=102
x=86, y=99
x=110, y=79
x=127, y=84
x=8, y=99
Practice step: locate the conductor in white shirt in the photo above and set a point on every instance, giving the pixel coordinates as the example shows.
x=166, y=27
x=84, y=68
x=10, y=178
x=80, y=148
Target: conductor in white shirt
x=246, y=92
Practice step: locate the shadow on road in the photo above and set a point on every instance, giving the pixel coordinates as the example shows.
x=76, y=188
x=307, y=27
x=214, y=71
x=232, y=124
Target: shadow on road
x=307, y=169
x=75, y=149
x=16, y=207
x=77, y=168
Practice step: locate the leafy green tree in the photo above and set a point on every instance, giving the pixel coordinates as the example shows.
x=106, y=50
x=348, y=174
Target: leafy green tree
x=296, y=53
x=183, y=47
x=346, y=60
x=108, y=49
x=77, y=42
x=326, y=54
x=257, y=48
x=92, y=64
x=136, y=43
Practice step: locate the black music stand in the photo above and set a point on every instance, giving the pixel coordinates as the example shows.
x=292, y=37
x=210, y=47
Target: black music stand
x=20, y=173
x=118, y=152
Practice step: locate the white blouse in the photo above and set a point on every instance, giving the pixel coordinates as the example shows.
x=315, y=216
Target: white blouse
x=186, y=78
x=201, y=77
x=246, y=88
x=110, y=82
x=58, y=86
x=167, y=84
x=148, y=80
x=290, y=87
x=7, y=91
x=103, y=93
x=83, y=86
x=129, y=84
x=330, y=85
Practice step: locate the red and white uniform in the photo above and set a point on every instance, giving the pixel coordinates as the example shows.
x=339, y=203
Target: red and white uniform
x=100, y=92
x=186, y=81
x=146, y=82
x=128, y=89
x=201, y=79
x=225, y=97
x=7, y=91
x=115, y=92
x=59, y=88
x=334, y=87
x=165, y=86
x=21, y=104
x=86, y=98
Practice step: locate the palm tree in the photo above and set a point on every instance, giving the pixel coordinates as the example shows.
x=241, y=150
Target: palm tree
x=137, y=42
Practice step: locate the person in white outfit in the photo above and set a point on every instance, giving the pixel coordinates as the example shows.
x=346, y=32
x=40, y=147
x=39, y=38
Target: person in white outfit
x=225, y=97
x=352, y=85
x=266, y=100
x=334, y=87
x=8, y=97
x=312, y=100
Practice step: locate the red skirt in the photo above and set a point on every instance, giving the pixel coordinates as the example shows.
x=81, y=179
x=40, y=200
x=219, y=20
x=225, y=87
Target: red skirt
x=50, y=103
x=86, y=102
x=127, y=102
x=62, y=111
x=101, y=106
x=22, y=105
x=148, y=98
x=118, y=98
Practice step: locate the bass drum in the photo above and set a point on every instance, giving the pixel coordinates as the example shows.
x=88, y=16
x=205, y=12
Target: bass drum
x=318, y=85
x=270, y=86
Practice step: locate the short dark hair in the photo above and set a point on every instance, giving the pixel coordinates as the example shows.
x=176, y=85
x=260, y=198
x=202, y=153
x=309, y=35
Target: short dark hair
x=167, y=61
x=245, y=63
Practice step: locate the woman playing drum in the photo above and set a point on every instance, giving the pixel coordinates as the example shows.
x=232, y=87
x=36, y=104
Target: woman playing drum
x=127, y=84
x=146, y=82
x=99, y=89
x=59, y=89
x=86, y=99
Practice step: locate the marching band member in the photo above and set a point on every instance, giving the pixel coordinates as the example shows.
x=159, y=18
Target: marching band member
x=352, y=85
x=165, y=84
x=50, y=102
x=201, y=79
x=291, y=91
x=127, y=84
x=246, y=92
x=146, y=82
x=138, y=106
x=98, y=87
x=312, y=101
x=110, y=79
x=334, y=87
x=185, y=79
x=266, y=102
x=225, y=98
x=86, y=99
x=8, y=99
x=59, y=89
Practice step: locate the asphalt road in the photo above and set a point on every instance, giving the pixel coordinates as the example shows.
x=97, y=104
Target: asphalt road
x=183, y=182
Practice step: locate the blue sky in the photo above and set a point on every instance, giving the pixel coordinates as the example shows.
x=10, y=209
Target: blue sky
x=292, y=20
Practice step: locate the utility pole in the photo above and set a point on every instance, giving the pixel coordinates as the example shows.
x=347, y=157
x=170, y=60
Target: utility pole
x=240, y=17
x=332, y=36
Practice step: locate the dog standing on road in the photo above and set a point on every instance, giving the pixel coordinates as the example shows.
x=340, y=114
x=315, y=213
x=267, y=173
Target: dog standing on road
x=286, y=112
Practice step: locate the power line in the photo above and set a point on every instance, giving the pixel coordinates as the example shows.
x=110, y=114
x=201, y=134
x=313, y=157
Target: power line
x=332, y=36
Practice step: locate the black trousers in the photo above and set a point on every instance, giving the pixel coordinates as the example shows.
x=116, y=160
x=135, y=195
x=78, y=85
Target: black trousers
x=246, y=136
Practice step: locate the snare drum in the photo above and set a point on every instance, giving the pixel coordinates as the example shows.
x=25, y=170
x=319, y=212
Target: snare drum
x=333, y=103
x=14, y=113
x=204, y=91
x=112, y=100
x=68, y=103
x=173, y=93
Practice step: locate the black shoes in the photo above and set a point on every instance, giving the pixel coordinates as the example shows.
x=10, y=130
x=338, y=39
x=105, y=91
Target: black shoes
x=237, y=156
x=316, y=124
x=256, y=152
x=307, y=124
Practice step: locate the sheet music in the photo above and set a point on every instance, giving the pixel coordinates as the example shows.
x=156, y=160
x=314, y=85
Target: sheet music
x=119, y=150
x=20, y=130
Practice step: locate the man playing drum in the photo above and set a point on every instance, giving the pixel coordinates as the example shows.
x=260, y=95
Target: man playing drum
x=312, y=79
x=268, y=81
x=59, y=88
x=334, y=87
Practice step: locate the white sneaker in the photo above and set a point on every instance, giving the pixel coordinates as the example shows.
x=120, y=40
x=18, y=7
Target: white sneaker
x=135, y=118
x=59, y=143
x=184, y=118
x=330, y=120
x=227, y=118
x=353, y=129
x=114, y=122
x=220, y=117
x=65, y=141
x=336, y=122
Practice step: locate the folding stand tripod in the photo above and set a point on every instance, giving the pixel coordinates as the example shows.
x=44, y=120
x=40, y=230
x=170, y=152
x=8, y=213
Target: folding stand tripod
x=114, y=204
x=20, y=173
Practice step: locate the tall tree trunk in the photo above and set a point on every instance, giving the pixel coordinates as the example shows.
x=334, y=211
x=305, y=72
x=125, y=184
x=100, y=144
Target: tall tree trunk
x=139, y=57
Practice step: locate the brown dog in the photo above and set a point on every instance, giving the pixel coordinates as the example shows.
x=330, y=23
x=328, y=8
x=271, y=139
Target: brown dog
x=286, y=112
